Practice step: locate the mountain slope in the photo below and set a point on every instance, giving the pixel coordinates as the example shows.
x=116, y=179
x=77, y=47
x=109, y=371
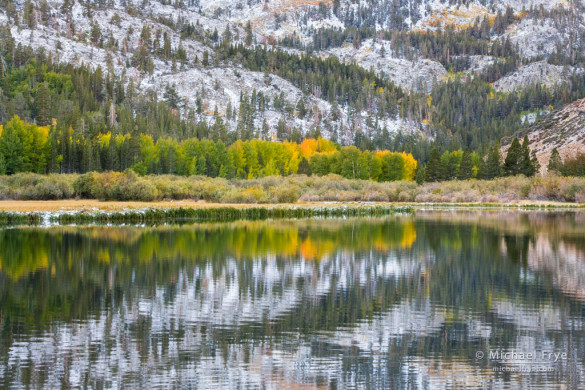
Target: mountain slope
x=521, y=53
x=562, y=129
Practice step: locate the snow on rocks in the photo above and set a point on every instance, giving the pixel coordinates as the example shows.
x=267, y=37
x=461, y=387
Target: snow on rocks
x=418, y=75
x=534, y=73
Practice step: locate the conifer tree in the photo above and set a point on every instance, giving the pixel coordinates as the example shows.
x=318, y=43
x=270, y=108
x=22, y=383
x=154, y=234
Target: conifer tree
x=420, y=175
x=249, y=35
x=555, y=163
x=466, y=166
x=433, y=168
x=304, y=167
x=494, y=162
x=514, y=158
x=43, y=105
x=535, y=163
x=526, y=163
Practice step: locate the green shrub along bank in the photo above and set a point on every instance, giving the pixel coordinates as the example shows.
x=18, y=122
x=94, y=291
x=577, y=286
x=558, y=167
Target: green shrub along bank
x=8, y=218
x=127, y=186
x=225, y=214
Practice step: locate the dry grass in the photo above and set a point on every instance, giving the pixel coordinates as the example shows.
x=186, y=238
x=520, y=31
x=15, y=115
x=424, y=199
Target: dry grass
x=106, y=191
x=94, y=206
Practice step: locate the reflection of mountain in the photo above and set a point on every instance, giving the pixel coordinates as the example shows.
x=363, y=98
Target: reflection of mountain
x=564, y=261
x=397, y=302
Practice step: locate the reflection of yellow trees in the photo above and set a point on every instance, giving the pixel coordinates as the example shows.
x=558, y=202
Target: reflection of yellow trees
x=27, y=250
x=408, y=235
x=24, y=261
x=316, y=250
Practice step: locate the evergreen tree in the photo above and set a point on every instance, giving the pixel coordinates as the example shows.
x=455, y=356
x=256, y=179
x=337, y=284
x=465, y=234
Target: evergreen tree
x=249, y=34
x=535, y=164
x=304, y=167
x=43, y=105
x=514, y=158
x=420, y=175
x=482, y=168
x=494, y=162
x=466, y=166
x=301, y=109
x=171, y=96
x=526, y=163
x=555, y=163
x=2, y=165
x=433, y=169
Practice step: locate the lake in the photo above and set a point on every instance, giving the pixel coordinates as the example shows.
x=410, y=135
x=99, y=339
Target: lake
x=434, y=299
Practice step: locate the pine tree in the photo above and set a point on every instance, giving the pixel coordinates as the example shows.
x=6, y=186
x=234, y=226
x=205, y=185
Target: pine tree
x=535, y=163
x=482, y=168
x=171, y=96
x=466, y=166
x=301, y=109
x=433, y=169
x=304, y=167
x=2, y=165
x=526, y=164
x=43, y=105
x=512, y=163
x=420, y=175
x=494, y=162
x=249, y=34
x=555, y=163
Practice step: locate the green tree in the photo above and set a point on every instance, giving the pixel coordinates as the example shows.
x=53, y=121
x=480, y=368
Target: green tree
x=433, y=168
x=466, y=166
x=2, y=165
x=535, y=163
x=513, y=159
x=494, y=162
x=249, y=34
x=420, y=175
x=555, y=163
x=171, y=96
x=527, y=166
x=304, y=167
x=301, y=109
x=24, y=147
x=43, y=105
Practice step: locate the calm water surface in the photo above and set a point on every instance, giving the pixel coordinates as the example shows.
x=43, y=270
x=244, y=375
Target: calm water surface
x=410, y=301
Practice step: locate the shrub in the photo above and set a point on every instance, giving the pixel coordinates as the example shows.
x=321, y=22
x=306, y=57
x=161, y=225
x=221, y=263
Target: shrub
x=288, y=194
x=84, y=185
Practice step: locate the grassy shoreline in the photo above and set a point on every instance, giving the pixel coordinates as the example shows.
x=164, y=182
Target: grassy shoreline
x=97, y=206
x=66, y=212
x=117, y=212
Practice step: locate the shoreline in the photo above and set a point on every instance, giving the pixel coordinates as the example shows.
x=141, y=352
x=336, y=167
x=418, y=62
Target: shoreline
x=97, y=206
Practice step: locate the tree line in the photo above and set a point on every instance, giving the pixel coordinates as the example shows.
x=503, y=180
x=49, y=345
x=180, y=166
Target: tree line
x=487, y=164
x=571, y=166
x=26, y=147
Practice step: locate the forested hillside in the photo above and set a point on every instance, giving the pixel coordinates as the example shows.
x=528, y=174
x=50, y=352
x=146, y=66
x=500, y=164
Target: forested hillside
x=155, y=86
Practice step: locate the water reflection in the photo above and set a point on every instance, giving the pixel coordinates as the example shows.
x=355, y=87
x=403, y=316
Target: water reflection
x=399, y=302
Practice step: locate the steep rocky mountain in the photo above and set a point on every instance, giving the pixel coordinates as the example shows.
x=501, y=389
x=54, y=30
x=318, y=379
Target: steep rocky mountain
x=562, y=129
x=417, y=45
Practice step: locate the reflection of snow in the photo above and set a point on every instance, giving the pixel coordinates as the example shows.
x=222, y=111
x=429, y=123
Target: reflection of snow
x=191, y=334
x=215, y=297
x=406, y=318
x=564, y=261
x=543, y=318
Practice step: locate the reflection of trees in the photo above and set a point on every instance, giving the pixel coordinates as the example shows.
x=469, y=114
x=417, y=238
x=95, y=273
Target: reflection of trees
x=369, y=296
x=81, y=264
